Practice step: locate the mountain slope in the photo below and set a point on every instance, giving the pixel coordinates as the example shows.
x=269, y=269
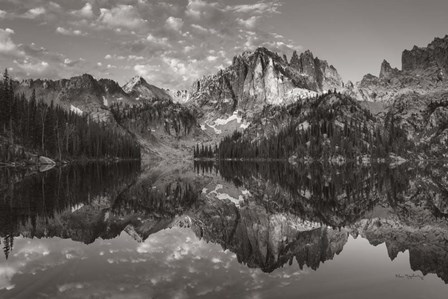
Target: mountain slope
x=330, y=126
x=80, y=94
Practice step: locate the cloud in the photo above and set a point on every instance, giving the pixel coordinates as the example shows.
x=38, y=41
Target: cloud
x=257, y=8
x=2, y=14
x=212, y=58
x=121, y=16
x=174, y=23
x=249, y=23
x=85, y=12
x=157, y=40
x=71, y=63
x=34, y=13
x=32, y=68
x=6, y=43
x=134, y=57
x=70, y=32
x=199, y=27
x=141, y=70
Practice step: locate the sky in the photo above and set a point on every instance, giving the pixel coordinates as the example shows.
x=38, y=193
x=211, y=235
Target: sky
x=172, y=43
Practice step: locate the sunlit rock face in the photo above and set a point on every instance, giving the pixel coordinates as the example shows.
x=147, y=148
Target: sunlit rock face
x=138, y=88
x=262, y=77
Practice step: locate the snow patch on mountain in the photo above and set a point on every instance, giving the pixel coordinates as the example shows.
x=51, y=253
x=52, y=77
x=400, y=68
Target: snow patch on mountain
x=76, y=110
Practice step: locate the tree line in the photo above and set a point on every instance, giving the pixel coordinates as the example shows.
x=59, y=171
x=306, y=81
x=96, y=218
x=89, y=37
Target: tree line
x=31, y=125
x=204, y=151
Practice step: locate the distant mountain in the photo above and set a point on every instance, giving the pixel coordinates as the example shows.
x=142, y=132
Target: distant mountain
x=81, y=94
x=416, y=97
x=424, y=70
x=139, y=89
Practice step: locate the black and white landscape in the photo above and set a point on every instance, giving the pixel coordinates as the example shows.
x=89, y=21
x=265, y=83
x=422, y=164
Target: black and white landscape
x=197, y=149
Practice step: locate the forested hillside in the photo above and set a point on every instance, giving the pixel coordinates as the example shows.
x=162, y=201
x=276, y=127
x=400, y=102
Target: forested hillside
x=172, y=118
x=30, y=127
x=329, y=126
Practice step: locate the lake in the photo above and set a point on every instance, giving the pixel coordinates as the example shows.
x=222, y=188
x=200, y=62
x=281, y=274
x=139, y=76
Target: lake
x=225, y=230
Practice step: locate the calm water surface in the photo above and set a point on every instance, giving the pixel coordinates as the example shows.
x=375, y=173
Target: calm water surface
x=227, y=230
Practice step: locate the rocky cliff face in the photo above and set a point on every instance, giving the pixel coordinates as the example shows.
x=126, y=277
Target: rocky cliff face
x=322, y=75
x=423, y=71
x=262, y=77
x=435, y=55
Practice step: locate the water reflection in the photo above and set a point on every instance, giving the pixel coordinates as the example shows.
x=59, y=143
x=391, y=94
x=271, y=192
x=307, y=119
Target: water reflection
x=195, y=228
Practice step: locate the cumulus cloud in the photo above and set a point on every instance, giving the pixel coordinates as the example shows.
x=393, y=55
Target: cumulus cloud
x=85, y=12
x=125, y=16
x=141, y=70
x=2, y=14
x=157, y=40
x=34, y=13
x=174, y=23
x=70, y=32
x=195, y=8
x=257, y=8
x=212, y=58
x=250, y=23
x=32, y=68
x=6, y=43
x=71, y=63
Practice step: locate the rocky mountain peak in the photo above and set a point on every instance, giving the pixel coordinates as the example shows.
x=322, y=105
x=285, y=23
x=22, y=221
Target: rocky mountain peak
x=135, y=81
x=435, y=55
x=322, y=75
x=386, y=70
x=264, y=77
x=140, y=89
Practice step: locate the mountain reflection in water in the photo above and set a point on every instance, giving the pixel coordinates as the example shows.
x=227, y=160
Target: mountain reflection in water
x=224, y=230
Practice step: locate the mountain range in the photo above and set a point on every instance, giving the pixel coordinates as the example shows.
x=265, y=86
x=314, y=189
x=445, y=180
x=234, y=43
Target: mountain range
x=248, y=95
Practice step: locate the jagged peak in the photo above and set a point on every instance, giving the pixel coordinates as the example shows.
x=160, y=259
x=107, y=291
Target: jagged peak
x=84, y=77
x=434, y=55
x=307, y=53
x=385, y=68
x=135, y=81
